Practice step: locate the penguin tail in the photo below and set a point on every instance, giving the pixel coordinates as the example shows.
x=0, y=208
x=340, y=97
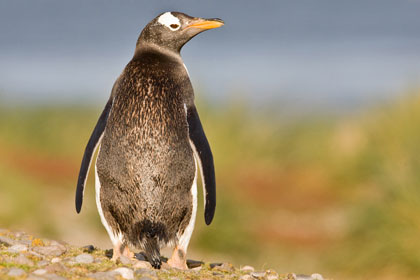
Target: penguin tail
x=152, y=251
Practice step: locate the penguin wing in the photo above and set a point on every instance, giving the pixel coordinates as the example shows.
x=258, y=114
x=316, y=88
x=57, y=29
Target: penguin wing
x=203, y=154
x=89, y=151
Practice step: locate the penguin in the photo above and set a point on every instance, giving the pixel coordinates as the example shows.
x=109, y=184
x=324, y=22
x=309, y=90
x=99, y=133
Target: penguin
x=151, y=145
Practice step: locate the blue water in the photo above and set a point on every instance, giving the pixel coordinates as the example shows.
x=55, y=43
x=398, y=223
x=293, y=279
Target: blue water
x=327, y=54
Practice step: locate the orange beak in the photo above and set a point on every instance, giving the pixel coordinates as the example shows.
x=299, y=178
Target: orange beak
x=206, y=23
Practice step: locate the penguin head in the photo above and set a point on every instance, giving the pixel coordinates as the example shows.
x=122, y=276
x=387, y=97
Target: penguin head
x=171, y=30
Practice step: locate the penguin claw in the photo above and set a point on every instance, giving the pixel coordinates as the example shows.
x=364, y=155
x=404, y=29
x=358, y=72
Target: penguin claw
x=179, y=265
x=116, y=252
x=156, y=263
x=127, y=253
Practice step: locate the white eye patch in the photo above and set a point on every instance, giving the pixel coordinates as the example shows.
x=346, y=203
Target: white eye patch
x=170, y=21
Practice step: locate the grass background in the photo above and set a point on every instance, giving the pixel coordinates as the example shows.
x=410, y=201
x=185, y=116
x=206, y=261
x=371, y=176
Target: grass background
x=336, y=194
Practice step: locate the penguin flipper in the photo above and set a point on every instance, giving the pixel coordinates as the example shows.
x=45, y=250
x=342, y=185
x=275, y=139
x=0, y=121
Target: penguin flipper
x=89, y=151
x=203, y=154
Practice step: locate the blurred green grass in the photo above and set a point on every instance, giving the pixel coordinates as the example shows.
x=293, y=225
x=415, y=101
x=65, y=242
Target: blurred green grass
x=339, y=195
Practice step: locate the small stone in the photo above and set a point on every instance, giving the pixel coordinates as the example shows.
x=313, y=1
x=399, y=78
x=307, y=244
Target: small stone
x=247, y=268
x=217, y=273
x=16, y=272
x=88, y=248
x=53, y=250
x=224, y=267
x=84, y=258
x=109, y=253
x=4, y=259
x=43, y=263
x=302, y=277
x=55, y=260
x=25, y=242
x=34, y=277
x=145, y=278
x=272, y=277
x=193, y=263
x=17, y=248
x=21, y=259
x=7, y=241
x=317, y=276
x=124, y=260
x=246, y=277
x=142, y=264
x=140, y=256
x=54, y=277
x=110, y=275
x=55, y=267
x=166, y=266
x=144, y=272
x=198, y=268
x=36, y=254
x=19, y=234
x=258, y=275
x=40, y=271
x=213, y=265
x=56, y=243
x=125, y=272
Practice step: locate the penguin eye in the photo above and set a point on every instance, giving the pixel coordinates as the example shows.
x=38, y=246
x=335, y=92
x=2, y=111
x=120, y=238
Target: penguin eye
x=174, y=26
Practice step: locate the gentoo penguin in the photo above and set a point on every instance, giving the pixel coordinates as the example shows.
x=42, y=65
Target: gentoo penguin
x=151, y=143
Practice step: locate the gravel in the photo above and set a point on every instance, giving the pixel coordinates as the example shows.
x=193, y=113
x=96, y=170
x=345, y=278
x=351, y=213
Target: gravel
x=55, y=260
x=56, y=268
x=125, y=272
x=88, y=249
x=6, y=241
x=145, y=272
x=43, y=263
x=23, y=260
x=315, y=276
x=142, y=264
x=16, y=272
x=102, y=275
x=84, y=258
x=34, y=277
x=124, y=260
x=258, y=275
x=40, y=271
x=53, y=250
x=247, y=268
x=17, y=248
x=25, y=257
x=145, y=278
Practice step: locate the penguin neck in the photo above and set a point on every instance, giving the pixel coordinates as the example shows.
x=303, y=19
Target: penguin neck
x=142, y=48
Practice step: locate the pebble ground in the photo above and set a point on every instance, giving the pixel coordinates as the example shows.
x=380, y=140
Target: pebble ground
x=23, y=256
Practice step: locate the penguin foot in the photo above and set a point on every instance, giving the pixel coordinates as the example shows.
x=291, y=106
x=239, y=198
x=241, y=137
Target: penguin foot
x=115, y=257
x=127, y=253
x=178, y=259
x=116, y=252
x=156, y=263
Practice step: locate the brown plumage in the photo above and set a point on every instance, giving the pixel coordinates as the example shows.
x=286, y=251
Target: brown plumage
x=149, y=135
